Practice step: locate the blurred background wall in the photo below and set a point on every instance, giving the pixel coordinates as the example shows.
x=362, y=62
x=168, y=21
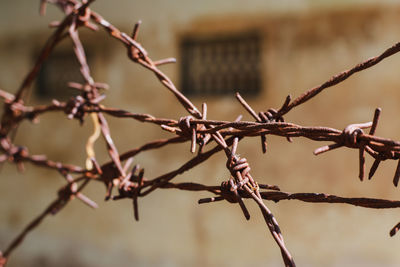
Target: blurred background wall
x=301, y=44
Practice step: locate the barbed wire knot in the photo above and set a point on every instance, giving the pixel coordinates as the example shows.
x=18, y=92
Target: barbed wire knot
x=350, y=135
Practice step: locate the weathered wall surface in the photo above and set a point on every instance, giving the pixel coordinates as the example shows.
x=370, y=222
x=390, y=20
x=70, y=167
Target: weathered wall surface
x=304, y=43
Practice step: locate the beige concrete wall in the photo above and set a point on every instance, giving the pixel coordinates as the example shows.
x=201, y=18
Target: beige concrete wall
x=305, y=43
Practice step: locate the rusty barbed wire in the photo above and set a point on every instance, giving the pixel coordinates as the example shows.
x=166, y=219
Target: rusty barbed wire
x=206, y=136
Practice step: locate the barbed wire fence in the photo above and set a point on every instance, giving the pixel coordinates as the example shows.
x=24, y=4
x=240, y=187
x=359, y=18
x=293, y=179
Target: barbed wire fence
x=206, y=137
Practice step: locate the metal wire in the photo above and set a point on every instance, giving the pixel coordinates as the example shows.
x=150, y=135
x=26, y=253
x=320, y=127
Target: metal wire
x=208, y=137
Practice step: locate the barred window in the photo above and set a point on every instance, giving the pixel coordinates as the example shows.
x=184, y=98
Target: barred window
x=221, y=65
x=57, y=71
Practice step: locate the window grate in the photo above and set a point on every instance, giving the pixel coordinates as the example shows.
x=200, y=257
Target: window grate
x=57, y=71
x=221, y=65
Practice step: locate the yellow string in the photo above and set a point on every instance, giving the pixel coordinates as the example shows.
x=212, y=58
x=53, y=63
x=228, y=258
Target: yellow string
x=91, y=140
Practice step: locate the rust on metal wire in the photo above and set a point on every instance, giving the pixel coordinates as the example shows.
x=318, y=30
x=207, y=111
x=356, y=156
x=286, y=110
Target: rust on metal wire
x=207, y=137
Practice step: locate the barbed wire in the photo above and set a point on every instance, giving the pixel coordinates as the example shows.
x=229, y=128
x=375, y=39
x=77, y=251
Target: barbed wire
x=206, y=136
